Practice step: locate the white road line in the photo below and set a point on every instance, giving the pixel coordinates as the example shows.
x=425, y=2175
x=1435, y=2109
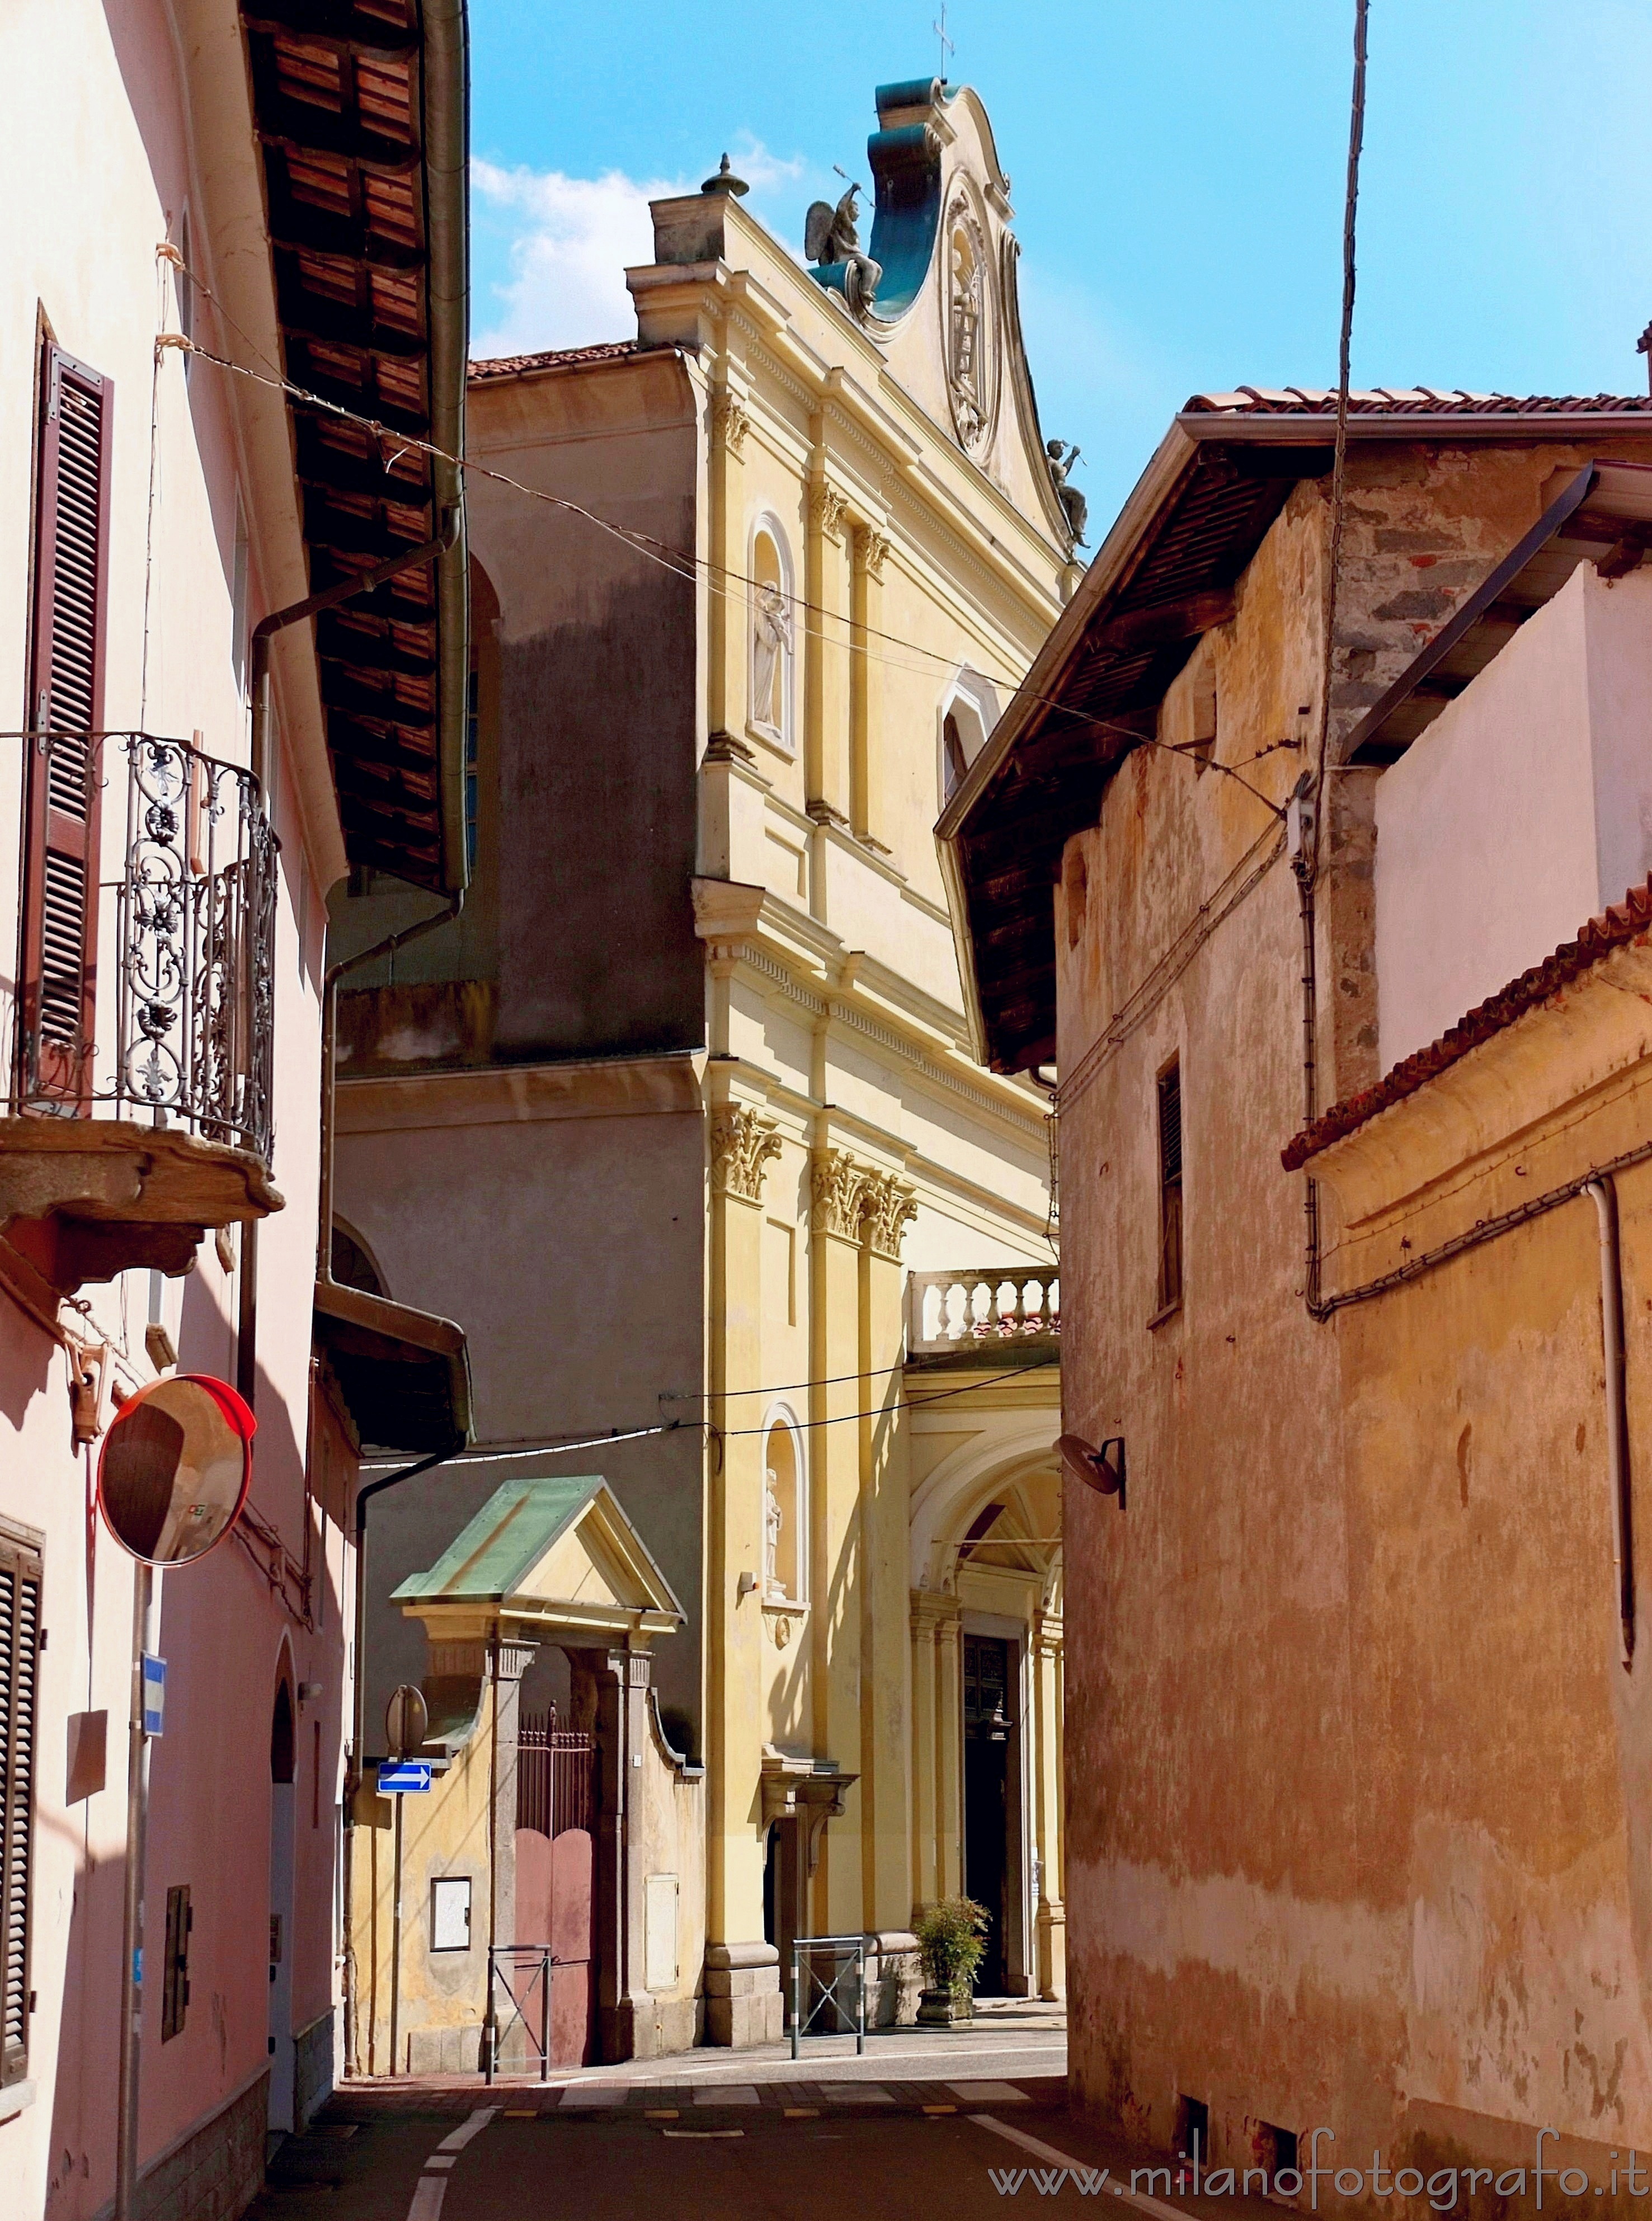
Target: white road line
x=473, y=2127
x=439, y=2163
x=1048, y=2154
x=427, y=2199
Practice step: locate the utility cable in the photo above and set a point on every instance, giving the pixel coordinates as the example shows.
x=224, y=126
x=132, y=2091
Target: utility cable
x=686, y=564
x=1339, y=473
x=726, y=1433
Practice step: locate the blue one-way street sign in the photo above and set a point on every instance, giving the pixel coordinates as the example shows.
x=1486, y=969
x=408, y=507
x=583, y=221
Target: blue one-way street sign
x=408, y=1777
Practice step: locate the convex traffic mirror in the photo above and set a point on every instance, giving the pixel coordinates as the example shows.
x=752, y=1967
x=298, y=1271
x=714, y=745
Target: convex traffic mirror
x=175, y=1468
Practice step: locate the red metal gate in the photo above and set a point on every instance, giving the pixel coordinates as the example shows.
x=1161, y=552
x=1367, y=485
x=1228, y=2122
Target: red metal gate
x=555, y=1769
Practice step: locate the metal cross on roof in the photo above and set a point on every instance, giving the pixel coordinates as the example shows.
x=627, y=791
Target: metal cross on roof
x=947, y=45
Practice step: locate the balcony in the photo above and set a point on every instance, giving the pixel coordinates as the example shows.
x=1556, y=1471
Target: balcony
x=139, y=1111
x=1002, y=1316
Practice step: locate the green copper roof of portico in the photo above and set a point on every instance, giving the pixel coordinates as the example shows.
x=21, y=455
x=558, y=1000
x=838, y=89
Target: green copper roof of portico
x=493, y=1557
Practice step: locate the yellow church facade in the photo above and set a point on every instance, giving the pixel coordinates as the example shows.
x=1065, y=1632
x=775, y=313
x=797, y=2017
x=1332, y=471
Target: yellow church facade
x=680, y=1118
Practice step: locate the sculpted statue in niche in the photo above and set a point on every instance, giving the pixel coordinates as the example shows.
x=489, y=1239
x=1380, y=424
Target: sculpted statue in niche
x=784, y=1560
x=830, y=235
x=771, y=641
x=773, y=1521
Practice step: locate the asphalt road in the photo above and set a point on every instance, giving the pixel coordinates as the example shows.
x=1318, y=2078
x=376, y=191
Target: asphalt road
x=804, y=2150
x=952, y=2130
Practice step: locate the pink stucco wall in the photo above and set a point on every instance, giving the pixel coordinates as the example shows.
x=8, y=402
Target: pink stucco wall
x=137, y=114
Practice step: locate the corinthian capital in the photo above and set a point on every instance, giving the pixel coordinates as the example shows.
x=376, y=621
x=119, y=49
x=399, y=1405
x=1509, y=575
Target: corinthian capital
x=826, y=508
x=886, y=1204
x=836, y=1183
x=741, y=1144
x=729, y=421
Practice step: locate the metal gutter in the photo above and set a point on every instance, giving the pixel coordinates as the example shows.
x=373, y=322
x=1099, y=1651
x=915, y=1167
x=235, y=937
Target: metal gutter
x=446, y=169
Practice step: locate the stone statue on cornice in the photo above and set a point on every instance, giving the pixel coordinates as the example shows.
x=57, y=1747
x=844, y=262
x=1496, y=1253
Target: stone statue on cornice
x=1062, y=456
x=830, y=237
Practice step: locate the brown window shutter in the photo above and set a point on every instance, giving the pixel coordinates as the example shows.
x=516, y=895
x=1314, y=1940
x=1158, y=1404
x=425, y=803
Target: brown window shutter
x=59, y=942
x=20, y=1635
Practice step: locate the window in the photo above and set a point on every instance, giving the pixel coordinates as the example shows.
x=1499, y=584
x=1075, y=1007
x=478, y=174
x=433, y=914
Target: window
x=65, y=697
x=955, y=761
x=20, y=1640
x=786, y=1553
x=968, y=711
x=1170, y=1276
x=771, y=636
x=175, y=1967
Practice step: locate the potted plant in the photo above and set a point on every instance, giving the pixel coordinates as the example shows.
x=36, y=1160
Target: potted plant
x=951, y=1941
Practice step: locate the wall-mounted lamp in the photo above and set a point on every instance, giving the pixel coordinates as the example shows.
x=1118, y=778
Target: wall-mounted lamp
x=746, y=1584
x=1102, y=1470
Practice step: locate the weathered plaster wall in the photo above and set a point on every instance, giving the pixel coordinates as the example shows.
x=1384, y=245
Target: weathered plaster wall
x=1342, y=1793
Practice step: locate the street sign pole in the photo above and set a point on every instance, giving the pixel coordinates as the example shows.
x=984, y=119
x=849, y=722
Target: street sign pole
x=146, y=1598
x=395, y=1944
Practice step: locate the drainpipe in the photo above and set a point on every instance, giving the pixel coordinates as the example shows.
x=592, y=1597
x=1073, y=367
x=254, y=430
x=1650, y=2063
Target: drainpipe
x=1604, y=1193
x=258, y=673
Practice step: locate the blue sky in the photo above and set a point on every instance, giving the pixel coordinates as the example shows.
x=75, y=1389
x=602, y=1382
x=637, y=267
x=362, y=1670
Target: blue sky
x=1177, y=172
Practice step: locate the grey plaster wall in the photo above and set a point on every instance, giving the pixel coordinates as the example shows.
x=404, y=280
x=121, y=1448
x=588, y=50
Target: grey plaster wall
x=572, y=1248
x=597, y=806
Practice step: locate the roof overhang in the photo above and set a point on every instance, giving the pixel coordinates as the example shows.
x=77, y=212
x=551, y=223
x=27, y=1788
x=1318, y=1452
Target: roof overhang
x=1162, y=577
x=403, y=1375
x=1195, y=517
x=361, y=107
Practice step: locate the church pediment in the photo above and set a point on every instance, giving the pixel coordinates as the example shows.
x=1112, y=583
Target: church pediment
x=937, y=285
x=557, y=1557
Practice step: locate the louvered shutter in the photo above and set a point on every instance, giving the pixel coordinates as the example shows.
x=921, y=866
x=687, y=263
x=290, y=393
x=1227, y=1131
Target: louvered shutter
x=67, y=705
x=20, y=1635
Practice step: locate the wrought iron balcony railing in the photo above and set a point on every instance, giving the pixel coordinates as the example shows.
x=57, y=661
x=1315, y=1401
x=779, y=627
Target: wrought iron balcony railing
x=186, y=1038
x=992, y=1311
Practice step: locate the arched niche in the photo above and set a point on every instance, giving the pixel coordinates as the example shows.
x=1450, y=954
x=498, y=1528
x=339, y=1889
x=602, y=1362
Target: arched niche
x=771, y=630
x=786, y=1509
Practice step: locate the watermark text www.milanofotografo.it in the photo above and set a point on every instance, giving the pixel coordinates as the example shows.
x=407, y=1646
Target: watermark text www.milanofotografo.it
x=1444, y=2187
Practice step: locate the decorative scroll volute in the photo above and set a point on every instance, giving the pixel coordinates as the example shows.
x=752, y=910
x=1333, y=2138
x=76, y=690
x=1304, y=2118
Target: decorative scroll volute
x=743, y=1143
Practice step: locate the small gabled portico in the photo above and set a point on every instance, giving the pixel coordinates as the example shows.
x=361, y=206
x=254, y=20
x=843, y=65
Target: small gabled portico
x=557, y=1561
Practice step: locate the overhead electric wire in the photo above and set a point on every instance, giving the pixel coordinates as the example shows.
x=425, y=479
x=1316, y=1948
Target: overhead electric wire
x=558, y=1449
x=686, y=564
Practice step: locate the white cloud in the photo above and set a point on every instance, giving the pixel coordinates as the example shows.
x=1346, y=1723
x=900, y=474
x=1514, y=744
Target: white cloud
x=570, y=239
x=567, y=242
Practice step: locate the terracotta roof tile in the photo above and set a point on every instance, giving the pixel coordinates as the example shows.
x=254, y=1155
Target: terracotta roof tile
x=1412, y=401
x=513, y=366
x=1625, y=922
